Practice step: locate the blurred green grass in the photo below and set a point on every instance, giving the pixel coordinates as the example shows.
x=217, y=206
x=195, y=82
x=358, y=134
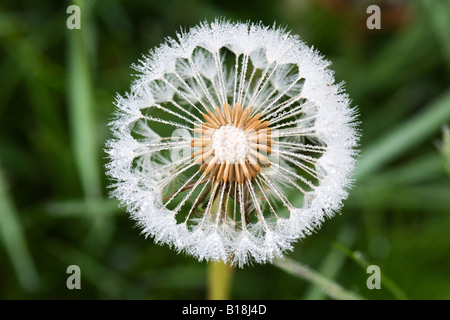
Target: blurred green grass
x=56, y=98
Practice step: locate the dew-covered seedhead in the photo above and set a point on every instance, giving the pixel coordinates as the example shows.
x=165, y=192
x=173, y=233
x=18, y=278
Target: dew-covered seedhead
x=233, y=143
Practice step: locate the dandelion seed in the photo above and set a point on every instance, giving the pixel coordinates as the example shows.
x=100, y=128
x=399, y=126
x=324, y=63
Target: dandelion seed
x=264, y=146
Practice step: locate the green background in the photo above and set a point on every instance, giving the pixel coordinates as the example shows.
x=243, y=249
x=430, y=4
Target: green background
x=57, y=88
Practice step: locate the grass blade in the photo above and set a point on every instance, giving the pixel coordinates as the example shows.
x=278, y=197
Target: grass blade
x=363, y=263
x=82, y=108
x=328, y=286
x=13, y=238
x=406, y=136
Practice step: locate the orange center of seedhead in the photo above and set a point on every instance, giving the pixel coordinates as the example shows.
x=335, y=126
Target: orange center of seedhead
x=232, y=145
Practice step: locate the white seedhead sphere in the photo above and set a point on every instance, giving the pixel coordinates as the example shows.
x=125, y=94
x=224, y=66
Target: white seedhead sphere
x=233, y=143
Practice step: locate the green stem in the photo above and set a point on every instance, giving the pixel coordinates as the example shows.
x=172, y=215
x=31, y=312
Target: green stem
x=220, y=276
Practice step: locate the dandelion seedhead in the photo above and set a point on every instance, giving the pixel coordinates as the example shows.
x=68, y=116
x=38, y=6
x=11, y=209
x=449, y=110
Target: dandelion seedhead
x=233, y=143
